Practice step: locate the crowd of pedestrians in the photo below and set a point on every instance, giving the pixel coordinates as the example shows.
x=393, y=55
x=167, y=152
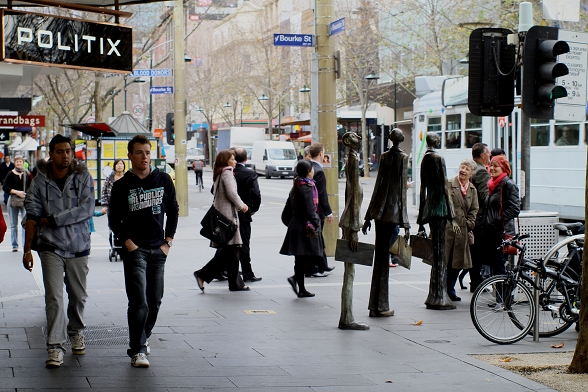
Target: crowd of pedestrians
x=58, y=205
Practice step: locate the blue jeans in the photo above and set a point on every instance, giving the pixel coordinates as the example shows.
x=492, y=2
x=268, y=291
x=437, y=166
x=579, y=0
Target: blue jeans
x=144, y=269
x=14, y=223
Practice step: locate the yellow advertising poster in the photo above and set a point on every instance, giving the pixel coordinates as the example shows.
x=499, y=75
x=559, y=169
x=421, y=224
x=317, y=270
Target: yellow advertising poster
x=153, y=149
x=108, y=149
x=92, y=164
x=121, y=149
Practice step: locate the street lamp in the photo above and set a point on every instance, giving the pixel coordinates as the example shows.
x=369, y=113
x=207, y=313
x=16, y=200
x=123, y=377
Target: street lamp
x=304, y=89
x=263, y=97
x=227, y=105
x=136, y=80
x=372, y=76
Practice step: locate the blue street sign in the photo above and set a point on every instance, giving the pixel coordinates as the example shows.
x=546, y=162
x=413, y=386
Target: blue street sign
x=149, y=73
x=293, y=40
x=337, y=26
x=161, y=90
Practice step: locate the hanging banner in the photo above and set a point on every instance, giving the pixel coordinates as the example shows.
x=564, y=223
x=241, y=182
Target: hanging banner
x=65, y=42
x=22, y=121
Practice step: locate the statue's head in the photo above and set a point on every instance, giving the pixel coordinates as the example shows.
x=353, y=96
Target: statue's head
x=396, y=136
x=351, y=140
x=433, y=140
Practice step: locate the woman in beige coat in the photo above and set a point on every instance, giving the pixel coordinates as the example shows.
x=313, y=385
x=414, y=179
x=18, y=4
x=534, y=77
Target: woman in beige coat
x=465, y=203
x=227, y=202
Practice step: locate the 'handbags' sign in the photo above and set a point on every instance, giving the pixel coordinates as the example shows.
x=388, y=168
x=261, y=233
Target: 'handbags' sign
x=66, y=42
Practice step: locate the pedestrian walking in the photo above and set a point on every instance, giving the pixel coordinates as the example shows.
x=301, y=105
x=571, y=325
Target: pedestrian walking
x=481, y=155
x=502, y=207
x=248, y=191
x=317, y=157
x=5, y=167
x=139, y=204
x=16, y=183
x=457, y=245
x=59, y=203
x=304, y=238
x=118, y=173
x=228, y=203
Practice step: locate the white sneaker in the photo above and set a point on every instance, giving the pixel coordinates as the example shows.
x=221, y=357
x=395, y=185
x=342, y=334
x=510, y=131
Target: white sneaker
x=54, y=357
x=140, y=360
x=146, y=345
x=77, y=344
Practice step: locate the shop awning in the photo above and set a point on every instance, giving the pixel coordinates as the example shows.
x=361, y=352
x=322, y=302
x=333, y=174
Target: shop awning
x=307, y=139
x=93, y=129
x=296, y=122
x=29, y=144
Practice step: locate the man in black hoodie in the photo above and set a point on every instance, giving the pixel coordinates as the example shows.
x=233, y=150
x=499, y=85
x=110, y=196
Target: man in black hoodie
x=138, y=202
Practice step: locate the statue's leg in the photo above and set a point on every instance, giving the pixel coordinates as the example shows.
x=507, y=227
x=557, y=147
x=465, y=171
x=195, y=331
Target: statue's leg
x=346, y=320
x=438, y=297
x=378, y=304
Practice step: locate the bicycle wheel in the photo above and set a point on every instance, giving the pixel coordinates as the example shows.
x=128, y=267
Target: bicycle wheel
x=502, y=310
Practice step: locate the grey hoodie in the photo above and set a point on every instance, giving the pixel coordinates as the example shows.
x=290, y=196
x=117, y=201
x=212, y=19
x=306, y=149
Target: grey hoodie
x=67, y=232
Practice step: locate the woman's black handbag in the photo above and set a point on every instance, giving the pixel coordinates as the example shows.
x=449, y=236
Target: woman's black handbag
x=287, y=213
x=217, y=227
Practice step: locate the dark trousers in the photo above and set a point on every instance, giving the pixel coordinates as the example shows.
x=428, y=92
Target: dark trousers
x=452, y=275
x=321, y=264
x=144, y=269
x=198, y=174
x=477, y=252
x=245, y=249
x=225, y=257
x=386, y=234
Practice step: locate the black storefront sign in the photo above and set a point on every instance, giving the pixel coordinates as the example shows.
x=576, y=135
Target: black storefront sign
x=66, y=42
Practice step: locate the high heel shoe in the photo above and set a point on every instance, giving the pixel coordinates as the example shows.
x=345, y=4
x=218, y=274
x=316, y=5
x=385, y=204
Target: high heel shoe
x=199, y=281
x=462, y=275
x=305, y=294
x=242, y=288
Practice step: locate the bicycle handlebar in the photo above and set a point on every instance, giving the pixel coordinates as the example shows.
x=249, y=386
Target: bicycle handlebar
x=514, y=241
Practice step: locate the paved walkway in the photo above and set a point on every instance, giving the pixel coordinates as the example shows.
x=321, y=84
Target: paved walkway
x=262, y=340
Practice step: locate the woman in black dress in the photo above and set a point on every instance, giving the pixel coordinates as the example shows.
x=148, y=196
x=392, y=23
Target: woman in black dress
x=303, y=238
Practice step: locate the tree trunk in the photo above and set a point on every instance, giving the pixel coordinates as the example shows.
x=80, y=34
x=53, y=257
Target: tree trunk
x=98, y=102
x=365, y=140
x=580, y=361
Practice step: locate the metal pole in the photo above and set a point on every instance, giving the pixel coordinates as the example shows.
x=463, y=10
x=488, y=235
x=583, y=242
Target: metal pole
x=150, y=96
x=125, y=94
x=180, y=108
x=327, y=114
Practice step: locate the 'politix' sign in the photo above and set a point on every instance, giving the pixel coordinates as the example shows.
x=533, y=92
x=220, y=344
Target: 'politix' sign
x=65, y=42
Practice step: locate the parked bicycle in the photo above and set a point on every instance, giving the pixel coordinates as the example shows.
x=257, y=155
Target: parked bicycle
x=503, y=306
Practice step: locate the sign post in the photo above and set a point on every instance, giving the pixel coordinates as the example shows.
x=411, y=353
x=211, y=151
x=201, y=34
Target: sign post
x=293, y=40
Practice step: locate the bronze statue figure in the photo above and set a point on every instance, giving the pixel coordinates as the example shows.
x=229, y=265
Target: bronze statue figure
x=350, y=222
x=388, y=209
x=435, y=208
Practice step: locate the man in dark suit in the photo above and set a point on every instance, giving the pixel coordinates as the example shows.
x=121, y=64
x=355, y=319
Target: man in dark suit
x=5, y=168
x=317, y=154
x=248, y=190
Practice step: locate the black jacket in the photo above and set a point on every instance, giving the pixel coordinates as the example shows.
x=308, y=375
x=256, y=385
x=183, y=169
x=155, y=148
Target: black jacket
x=137, y=207
x=297, y=243
x=248, y=190
x=510, y=209
x=12, y=181
x=324, y=209
x=4, y=170
x=480, y=181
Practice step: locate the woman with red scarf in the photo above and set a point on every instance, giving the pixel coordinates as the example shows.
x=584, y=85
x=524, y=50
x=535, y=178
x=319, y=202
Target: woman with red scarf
x=502, y=207
x=303, y=238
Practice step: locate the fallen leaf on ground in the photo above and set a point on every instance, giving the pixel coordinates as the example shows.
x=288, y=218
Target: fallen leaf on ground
x=505, y=359
x=557, y=345
x=389, y=381
x=420, y=322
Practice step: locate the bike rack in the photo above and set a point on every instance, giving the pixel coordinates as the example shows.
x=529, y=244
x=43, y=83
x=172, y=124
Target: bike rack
x=548, y=256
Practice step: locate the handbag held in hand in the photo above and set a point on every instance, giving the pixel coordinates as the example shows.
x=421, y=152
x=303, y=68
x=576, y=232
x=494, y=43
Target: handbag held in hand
x=402, y=252
x=422, y=247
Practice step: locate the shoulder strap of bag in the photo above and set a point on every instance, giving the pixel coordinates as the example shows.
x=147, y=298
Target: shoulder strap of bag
x=214, y=197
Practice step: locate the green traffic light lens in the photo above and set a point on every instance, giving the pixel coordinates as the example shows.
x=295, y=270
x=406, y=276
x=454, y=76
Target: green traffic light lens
x=558, y=92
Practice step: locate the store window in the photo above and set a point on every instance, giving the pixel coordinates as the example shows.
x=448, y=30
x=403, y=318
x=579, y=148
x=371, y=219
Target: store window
x=539, y=132
x=567, y=134
x=473, y=130
x=453, y=131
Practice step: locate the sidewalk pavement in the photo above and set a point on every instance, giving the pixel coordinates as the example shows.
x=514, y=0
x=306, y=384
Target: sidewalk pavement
x=262, y=340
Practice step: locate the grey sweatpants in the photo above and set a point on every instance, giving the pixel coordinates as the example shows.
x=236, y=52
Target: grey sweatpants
x=58, y=270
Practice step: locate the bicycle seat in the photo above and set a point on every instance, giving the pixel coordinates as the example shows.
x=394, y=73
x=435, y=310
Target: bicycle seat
x=567, y=226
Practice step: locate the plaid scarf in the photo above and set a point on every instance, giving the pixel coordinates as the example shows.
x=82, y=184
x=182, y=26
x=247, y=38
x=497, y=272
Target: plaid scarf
x=310, y=229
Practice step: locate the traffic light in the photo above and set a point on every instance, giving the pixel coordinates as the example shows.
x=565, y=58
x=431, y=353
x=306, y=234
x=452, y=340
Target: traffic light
x=540, y=71
x=169, y=128
x=491, y=72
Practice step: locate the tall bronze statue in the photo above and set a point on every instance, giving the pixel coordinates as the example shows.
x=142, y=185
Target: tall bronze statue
x=350, y=222
x=435, y=208
x=388, y=208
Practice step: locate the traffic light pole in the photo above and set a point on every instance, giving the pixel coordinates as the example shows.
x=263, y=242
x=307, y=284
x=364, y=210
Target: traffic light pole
x=525, y=22
x=179, y=108
x=327, y=115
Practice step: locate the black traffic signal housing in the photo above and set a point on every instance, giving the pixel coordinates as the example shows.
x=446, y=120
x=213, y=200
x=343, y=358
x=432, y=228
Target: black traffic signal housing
x=491, y=72
x=540, y=71
x=169, y=128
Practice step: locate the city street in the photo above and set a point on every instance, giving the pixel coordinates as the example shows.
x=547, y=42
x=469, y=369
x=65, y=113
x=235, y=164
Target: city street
x=262, y=340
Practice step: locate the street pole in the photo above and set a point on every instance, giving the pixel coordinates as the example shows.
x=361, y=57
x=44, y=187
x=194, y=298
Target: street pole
x=327, y=112
x=180, y=108
x=525, y=23
x=125, y=106
x=150, y=95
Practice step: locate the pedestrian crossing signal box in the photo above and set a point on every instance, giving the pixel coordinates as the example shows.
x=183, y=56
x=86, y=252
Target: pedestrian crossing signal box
x=169, y=128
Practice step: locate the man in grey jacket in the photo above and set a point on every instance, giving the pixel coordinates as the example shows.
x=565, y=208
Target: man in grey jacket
x=59, y=203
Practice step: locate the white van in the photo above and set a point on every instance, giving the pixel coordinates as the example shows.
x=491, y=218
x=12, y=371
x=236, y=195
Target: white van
x=273, y=158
